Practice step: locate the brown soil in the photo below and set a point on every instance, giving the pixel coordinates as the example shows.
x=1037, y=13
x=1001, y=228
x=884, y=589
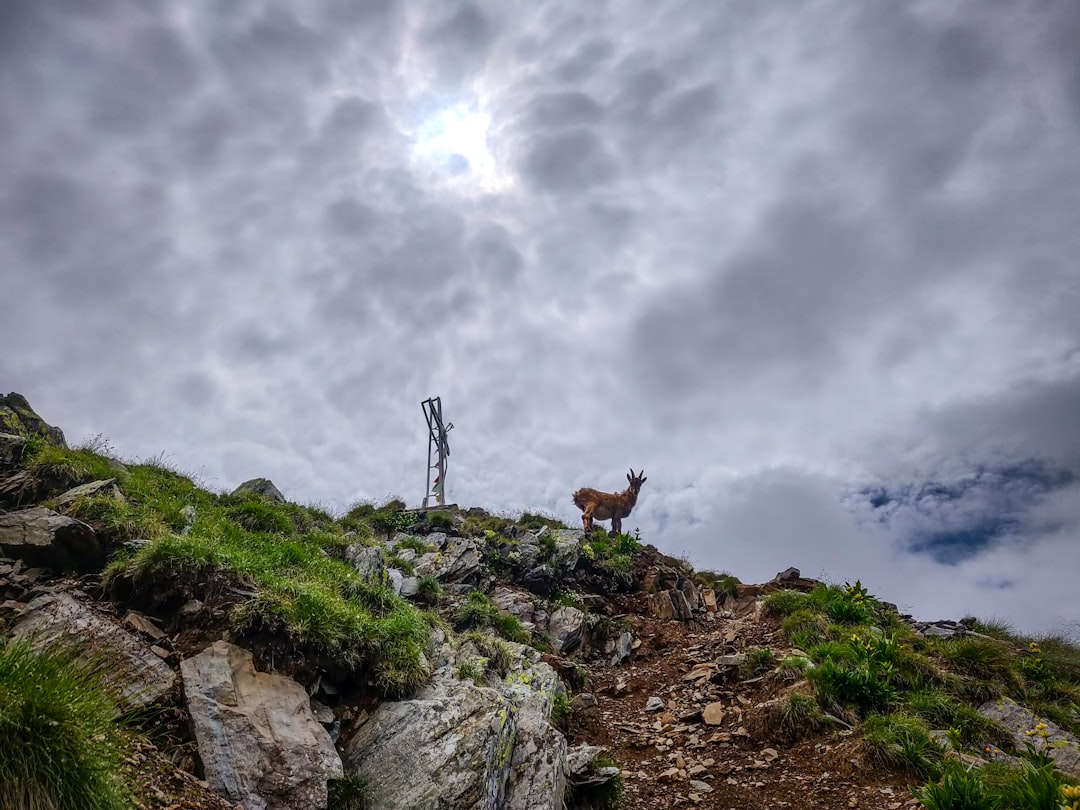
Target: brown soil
x=661, y=752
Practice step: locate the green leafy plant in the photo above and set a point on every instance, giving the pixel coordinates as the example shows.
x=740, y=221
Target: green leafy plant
x=959, y=789
x=784, y=603
x=561, y=710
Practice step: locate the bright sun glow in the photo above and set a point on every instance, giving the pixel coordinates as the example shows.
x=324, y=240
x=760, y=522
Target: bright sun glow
x=455, y=140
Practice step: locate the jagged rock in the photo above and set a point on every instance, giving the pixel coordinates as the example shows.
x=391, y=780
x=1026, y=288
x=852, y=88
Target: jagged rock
x=139, y=676
x=17, y=417
x=788, y=575
x=258, y=738
x=514, y=602
x=690, y=592
x=654, y=704
x=580, y=770
x=456, y=744
x=368, y=562
x=40, y=536
x=708, y=599
x=395, y=579
x=670, y=604
x=456, y=561
x=1051, y=739
x=565, y=627
x=410, y=586
x=106, y=487
x=538, y=764
x=621, y=647
x=11, y=450
x=451, y=746
x=261, y=486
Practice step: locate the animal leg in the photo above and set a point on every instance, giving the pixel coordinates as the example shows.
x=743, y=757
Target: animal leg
x=586, y=520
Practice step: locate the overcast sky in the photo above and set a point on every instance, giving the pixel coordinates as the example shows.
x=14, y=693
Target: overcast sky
x=814, y=266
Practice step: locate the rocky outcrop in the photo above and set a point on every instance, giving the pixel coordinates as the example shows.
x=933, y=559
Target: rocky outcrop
x=457, y=744
x=455, y=560
x=1027, y=727
x=106, y=487
x=18, y=418
x=450, y=746
x=41, y=537
x=140, y=677
x=11, y=450
x=261, y=486
x=368, y=562
x=258, y=738
x=565, y=626
x=670, y=604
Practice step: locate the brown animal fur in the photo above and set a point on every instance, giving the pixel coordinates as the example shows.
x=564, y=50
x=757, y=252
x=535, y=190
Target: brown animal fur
x=597, y=505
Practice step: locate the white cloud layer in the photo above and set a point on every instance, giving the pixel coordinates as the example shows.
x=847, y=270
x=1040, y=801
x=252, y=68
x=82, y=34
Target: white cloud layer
x=814, y=267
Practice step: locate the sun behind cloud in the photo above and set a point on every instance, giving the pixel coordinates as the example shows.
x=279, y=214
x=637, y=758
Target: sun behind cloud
x=455, y=140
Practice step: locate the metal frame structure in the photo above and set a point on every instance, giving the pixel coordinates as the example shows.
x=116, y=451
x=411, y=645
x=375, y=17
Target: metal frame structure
x=439, y=447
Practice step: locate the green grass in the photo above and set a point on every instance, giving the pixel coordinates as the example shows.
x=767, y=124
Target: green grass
x=903, y=742
x=798, y=716
x=785, y=603
x=290, y=556
x=59, y=744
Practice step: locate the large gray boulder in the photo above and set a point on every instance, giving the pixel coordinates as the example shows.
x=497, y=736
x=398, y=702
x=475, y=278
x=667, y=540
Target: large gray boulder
x=368, y=562
x=261, y=486
x=565, y=626
x=450, y=746
x=41, y=537
x=17, y=417
x=1047, y=737
x=259, y=741
x=455, y=560
x=457, y=744
x=140, y=677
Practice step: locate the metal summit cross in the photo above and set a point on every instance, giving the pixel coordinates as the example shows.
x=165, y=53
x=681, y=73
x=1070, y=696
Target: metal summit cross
x=437, y=446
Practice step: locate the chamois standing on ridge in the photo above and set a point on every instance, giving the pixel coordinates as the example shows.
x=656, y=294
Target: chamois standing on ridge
x=597, y=505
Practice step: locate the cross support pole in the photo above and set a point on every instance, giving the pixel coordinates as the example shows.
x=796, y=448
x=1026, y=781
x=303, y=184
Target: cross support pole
x=438, y=448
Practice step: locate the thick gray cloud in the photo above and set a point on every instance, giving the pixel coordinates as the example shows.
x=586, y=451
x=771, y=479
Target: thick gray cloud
x=814, y=267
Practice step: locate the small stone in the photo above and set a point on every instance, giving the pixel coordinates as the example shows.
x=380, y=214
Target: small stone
x=700, y=787
x=770, y=755
x=713, y=714
x=160, y=652
x=654, y=704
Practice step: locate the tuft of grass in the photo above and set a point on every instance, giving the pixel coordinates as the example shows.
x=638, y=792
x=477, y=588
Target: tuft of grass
x=476, y=611
x=785, y=603
x=988, y=660
x=470, y=670
x=759, y=659
x=59, y=744
x=510, y=627
x=120, y=520
x=561, y=710
x=799, y=716
x=804, y=628
x=499, y=654
x=602, y=796
x=900, y=741
x=415, y=544
x=350, y=793
x=430, y=590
